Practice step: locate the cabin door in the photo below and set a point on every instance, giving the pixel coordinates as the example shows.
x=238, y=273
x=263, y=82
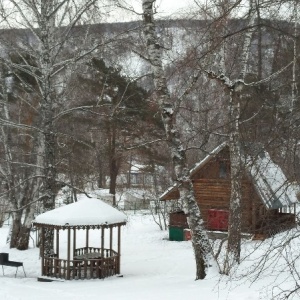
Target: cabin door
x=217, y=219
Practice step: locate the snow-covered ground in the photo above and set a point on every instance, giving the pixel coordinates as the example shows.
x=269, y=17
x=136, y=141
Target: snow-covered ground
x=152, y=268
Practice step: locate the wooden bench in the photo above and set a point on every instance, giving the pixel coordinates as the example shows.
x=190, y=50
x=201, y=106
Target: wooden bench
x=4, y=261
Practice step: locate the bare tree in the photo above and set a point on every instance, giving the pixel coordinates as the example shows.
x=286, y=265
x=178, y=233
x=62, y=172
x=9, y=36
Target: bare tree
x=49, y=28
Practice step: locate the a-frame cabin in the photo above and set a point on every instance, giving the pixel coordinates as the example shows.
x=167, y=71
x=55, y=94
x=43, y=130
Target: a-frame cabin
x=268, y=199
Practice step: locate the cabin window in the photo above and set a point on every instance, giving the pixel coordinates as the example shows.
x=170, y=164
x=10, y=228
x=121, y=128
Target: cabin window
x=222, y=169
x=148, y=179
x=136, y=178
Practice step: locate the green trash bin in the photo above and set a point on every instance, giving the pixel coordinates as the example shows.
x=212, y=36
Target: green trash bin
x=176, y=233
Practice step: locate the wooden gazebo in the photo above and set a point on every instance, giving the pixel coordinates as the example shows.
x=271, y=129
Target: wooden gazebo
x=97, y=261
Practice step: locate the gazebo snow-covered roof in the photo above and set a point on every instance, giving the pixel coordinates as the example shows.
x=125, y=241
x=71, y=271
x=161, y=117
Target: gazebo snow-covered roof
x=97, y=261
x=87, y=212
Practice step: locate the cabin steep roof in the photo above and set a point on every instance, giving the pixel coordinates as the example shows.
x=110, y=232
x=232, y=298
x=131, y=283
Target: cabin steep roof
x=270, y=182
x=268, y=178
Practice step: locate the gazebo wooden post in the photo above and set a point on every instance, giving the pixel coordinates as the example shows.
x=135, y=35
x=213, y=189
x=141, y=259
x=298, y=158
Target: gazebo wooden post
x=102, y=241
x=87, y=239
x=74, y=241
x=68, y=255
x=57, y=242
x=110, y=238
x=119, y=249
x=42, y=251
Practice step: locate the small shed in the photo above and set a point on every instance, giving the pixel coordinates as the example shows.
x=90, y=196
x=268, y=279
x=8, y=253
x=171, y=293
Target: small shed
x=268, y=198
x=90, y=261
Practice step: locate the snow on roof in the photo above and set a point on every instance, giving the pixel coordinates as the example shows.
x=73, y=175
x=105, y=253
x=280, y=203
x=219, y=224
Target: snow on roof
x=88, y=211
x=207, y=158
x=169, y=190
x=137, y=168
x=270, y=182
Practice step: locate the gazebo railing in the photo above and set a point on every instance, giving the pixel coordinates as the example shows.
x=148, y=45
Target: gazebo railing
x=84, y=268
x=102, y=251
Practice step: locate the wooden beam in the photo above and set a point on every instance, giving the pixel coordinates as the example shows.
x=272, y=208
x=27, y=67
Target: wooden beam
x=102, y=241
x=119, y=239
x=43, y=250
x=74, y=241
x=119, y=250
x=110, y=237
x=87, y=238
x=57, y=242
x=68, y=255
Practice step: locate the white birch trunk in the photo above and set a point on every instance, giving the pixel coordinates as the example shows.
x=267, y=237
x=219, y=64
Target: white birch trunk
x=200, y=240
x=247, y=40
x=47, y=141
x=294, y=82
x=235, y=209
x=233, y=89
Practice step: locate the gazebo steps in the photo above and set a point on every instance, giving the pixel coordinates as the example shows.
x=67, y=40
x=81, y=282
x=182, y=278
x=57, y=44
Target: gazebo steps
x=49, y=279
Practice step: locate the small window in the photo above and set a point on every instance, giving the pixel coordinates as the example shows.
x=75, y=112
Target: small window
x=148, y=179
x=133, y=178
x=222, y=169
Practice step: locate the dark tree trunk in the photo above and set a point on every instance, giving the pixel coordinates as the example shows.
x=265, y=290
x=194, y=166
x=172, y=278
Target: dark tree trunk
x=16, y=228
x=100, y=171
x=114, y=164
x=113, y=179
x=23, y=238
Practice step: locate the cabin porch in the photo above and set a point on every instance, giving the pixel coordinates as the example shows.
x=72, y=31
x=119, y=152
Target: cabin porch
x=271, y=225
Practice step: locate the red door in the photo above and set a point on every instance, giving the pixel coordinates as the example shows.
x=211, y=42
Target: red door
x=217, y=219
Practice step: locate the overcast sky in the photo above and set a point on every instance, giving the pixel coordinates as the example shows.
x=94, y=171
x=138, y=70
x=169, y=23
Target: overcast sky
x=186, y=8
x=164, y=8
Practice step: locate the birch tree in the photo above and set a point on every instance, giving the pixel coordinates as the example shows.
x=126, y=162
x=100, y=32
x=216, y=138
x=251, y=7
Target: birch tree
x=233, y=89
x=200, y=240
